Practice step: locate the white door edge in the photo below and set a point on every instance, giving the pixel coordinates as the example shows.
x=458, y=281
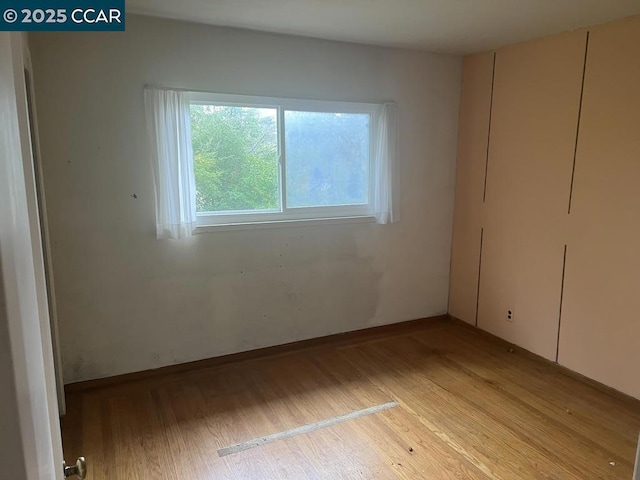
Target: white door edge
x=44, y=225
x=31, y=446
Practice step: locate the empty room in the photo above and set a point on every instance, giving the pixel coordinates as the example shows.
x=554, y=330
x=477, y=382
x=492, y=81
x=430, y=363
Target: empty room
x=320, y=240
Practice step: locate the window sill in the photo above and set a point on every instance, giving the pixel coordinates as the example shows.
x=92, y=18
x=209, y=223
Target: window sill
x=309, y=222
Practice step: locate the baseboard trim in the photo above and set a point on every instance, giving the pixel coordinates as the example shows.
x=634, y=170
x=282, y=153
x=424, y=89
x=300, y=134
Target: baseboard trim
x=329, y=341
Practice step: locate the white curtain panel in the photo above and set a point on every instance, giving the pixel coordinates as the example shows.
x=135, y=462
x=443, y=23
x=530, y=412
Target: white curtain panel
x=169, y=126
x=385, y=166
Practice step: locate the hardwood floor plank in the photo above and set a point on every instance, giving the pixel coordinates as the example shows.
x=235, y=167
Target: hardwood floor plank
x=107, y=468
x=72, y=428
x=549, y=437
x=493, y=444
x=308, y=393
x=186, y=461
x=435, y=460
x=97, y=448
x=155, y=447
x=468, y=410
x=529, y=390
x=608, y=417
x=316, y=454
x=586, y=393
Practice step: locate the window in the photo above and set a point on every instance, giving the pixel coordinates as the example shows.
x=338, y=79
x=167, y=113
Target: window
x=258, y=159
x=228, y=159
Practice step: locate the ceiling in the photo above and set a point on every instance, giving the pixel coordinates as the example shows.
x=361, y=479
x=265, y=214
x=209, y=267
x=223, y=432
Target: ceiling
x=451, y=26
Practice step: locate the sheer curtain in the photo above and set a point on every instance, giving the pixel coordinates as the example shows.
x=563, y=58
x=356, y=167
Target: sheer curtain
x=169, y=126
x=385, y=166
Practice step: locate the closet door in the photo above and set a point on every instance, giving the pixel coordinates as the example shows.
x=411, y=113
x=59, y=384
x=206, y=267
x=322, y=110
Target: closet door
x=473, y=134
x=600, y=334
x=536, y=102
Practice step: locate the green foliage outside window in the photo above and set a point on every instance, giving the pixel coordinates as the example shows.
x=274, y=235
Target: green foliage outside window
x=235, y=152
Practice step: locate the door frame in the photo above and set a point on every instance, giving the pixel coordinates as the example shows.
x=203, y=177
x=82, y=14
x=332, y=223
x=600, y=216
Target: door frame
x=44, y=224
x=30, y=441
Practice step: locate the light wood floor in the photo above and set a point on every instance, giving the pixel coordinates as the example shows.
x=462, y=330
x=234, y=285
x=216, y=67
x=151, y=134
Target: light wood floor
x=469, y=409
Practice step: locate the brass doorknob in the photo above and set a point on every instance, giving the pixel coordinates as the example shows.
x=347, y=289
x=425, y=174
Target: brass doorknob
x=79, y=469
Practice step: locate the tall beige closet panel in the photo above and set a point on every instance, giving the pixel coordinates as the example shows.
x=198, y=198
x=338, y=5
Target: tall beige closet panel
x=473, y=132
x=536, y=100
x=600, y=331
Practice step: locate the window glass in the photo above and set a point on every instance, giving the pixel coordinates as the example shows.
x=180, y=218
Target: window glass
x=235, y=153
x=327, y=158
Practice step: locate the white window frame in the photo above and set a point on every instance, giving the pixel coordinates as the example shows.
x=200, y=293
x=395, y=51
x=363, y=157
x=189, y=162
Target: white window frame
x=287, y=214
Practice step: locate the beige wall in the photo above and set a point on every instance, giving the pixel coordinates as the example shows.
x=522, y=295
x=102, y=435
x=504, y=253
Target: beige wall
x=473, y=133
x=127, y=301
x=529, y=171
x=589, y=322
x=600, y=333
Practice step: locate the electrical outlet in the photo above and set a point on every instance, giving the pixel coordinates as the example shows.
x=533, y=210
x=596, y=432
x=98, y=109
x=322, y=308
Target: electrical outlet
x=509, y=315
